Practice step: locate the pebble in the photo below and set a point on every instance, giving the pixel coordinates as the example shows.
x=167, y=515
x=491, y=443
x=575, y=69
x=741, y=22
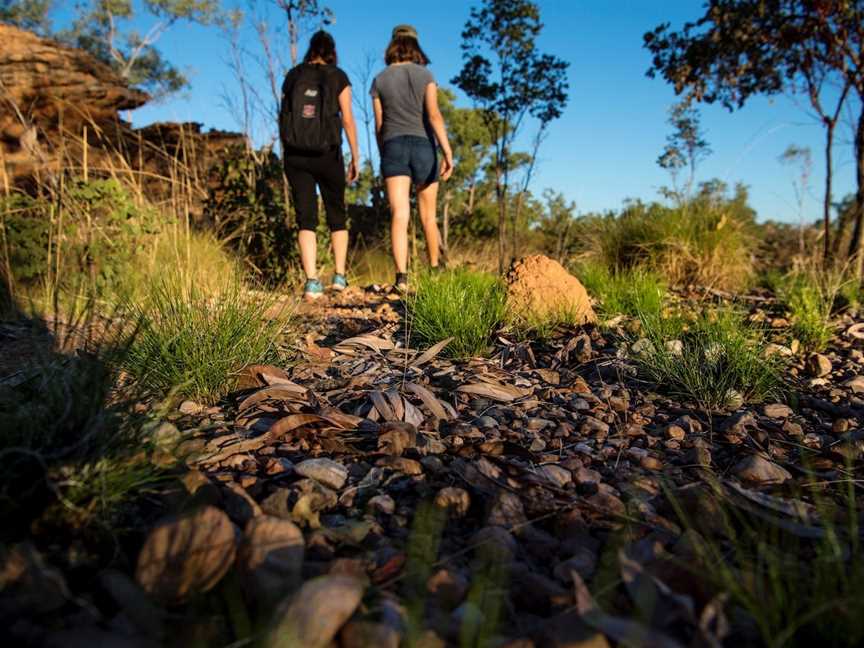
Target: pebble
x=818, y=365
x=777, y=411
x=326, y=471
x=190, y=407
x=856, y=384
x=755, y=468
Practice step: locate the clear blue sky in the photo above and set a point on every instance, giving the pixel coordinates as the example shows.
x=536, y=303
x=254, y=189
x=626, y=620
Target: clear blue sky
x=604, y=148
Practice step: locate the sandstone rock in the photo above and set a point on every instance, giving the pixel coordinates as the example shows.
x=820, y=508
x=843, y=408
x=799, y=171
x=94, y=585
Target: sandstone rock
x=317, y=612
x=818, y=365
x=856, y=384
x=777, y=411
x=186, y=554
x=326, y=471
x=538, y=287
x=755, y=468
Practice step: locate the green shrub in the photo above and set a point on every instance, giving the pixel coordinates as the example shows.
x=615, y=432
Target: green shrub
x=634, y=291
x=706, y=241
x=191, y=343
x=465, y=305
x=715, y=361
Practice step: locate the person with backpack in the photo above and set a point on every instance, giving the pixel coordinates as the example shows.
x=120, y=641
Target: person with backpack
x=315, y=108
x=409, y=129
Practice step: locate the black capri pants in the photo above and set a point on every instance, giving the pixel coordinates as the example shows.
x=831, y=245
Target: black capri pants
x=327, y=171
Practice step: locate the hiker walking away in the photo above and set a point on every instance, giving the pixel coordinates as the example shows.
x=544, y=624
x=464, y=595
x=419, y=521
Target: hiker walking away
x=408, y=123
x=316, y=106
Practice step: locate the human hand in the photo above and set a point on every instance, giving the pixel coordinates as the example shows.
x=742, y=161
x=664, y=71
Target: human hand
x=446, y=167
x=353, y=172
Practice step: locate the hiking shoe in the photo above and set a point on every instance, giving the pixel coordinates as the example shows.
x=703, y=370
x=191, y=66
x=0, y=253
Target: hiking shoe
x=339, y=283
x=401, y=283
x=313, y=290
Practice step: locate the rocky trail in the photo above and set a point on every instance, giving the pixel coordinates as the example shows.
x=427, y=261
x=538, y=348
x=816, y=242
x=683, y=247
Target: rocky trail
x=375, y=495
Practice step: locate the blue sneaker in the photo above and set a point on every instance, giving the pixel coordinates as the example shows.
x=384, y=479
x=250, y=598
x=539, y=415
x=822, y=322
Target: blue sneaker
x=313, y=290
x=339, y=283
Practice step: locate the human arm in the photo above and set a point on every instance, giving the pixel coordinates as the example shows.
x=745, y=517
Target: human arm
x=436, y=120
x=350, y=127
x=378, y=109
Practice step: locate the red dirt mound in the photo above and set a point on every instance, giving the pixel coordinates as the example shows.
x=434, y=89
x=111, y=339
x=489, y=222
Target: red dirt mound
x=538, y=288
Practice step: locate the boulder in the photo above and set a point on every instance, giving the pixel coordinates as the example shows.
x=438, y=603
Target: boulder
x=540, y=288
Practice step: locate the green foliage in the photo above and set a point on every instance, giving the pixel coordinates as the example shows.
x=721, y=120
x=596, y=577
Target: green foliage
x=704, y=241
x=792, y=591
x=635, y=292
x=810, y=295
x=27, y=14
x=192, y=343
x=715, y=361
x=465, y=305
x=91, y=230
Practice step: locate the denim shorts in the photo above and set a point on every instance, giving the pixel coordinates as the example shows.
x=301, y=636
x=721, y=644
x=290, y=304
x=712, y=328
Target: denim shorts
x=412, y=156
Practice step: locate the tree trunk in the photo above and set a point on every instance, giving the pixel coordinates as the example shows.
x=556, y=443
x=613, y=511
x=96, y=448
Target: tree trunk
x=501, y=196
x=472, y=193
x=516, y=216
x=855, y=244
x=826, y=207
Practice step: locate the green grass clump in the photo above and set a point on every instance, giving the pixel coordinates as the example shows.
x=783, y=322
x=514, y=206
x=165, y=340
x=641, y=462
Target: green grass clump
x=191, y=343
x=463, y=304
x=809, y=295
x=716, y=361
x=789, y=590
x=634, y=292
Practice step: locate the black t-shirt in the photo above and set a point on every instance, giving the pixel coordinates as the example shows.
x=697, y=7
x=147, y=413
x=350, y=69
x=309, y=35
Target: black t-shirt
x=335, y=80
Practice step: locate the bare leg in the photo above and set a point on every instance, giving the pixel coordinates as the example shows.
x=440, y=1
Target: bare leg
x=308, y=252
x=399, y=197
x=427, y=198
x=340, y=249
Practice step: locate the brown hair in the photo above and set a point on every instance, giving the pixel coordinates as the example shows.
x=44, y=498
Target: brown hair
x=321, y=46
x=405, y=49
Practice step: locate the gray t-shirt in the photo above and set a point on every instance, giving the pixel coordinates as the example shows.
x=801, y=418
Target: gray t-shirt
x=402, y=90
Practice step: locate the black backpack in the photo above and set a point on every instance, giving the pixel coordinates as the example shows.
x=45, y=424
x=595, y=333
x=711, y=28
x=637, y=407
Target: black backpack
x=307, y=116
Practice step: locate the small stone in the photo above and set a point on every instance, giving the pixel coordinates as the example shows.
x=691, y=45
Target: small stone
x=675, y=432
x=556, y=475
x=495, y=543
x=537, y=424
x=456, y=500
x=856, y=384
x=755, y=468
x=382, y=504
x=486, y=423
x=793, y=429
x=594, y=427
x=777, y=411
x=651, y=463
x=317, y=612
x=778, y=350
x=506, y=510
x=362, y=634
x=818, y=365
x=448, y=587
x=326, y=471
x=401, y=464
x=190, y=407
x=583, y=562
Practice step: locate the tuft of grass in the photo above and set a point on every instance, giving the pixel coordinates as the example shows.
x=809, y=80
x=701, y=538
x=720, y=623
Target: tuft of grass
x=715, y=361
x=191, y=343
x=789, y=589
x=466, y=305
x=810, y=295
x=634, y=292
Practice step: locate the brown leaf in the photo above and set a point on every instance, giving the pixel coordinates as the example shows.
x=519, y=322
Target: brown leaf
x=428, y=399
x=282, y=391
x=500, y=393
x=383, y=407
x=431, y=353
x=369, y=341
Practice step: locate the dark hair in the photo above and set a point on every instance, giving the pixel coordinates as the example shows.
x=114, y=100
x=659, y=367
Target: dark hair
x=405, y=49
x=321, y=46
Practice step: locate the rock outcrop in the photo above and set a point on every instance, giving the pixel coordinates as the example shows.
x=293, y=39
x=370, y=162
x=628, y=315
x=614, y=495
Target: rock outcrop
x=539, y=288
x=61, y=108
